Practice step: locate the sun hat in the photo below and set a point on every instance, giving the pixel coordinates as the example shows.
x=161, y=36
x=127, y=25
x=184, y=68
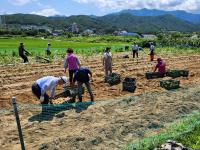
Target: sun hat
x=64, y=78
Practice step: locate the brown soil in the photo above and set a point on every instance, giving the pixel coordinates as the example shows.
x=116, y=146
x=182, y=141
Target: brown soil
x=109, y=124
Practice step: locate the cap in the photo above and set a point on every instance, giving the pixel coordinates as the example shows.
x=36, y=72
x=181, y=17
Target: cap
x=65, y=79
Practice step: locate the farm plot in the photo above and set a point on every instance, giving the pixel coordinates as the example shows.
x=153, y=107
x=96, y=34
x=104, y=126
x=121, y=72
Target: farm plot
x=17, y=80
x=113, y=121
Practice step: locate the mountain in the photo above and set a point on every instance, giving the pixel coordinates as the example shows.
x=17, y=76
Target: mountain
x=183, y=15
x=107, y=23
x=149, y=24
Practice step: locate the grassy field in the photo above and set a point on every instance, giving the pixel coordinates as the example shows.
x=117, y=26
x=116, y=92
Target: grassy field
x=58, y=44
x=82, y=45
x=185, y=131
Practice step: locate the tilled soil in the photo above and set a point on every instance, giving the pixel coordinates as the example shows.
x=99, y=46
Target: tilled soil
x=17, y=80
x=112, y=121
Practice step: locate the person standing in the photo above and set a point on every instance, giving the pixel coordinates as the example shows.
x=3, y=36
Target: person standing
x=107, y=61
x=135, y=49
x=83, y=76
x=48, y=83
x=72, y=63
x=23, y=53
x=161, y=66
x=48, y=50
x=152, y=51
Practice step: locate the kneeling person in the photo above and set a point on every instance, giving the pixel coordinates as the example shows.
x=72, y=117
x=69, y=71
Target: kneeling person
x=48, y=83
x=161, y=66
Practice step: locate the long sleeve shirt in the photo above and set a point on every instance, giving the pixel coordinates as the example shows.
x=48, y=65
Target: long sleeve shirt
x=107, y=59
x=82, y=75
x=48, y=83
x=161, y=66
x=72, y=62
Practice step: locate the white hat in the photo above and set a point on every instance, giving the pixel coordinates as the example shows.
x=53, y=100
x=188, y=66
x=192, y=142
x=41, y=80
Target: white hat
x=65, y=79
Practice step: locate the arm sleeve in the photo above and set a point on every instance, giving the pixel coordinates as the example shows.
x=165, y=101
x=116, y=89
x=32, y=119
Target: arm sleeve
x=89, y=72
x=53, y=87
x=43, y=90
x=66, y=63
x=53, y=92
x=78, y=62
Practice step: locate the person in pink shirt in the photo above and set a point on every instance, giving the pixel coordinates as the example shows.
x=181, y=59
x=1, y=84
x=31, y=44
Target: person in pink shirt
x=72, y=63
x=161, y=66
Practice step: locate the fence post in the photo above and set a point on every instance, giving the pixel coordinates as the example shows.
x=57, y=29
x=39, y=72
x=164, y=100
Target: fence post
x=18, y=123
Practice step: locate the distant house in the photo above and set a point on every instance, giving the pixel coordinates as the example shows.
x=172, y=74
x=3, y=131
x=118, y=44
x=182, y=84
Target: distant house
x=35, y=27
x=73, y=28
x=194, y=37
x=125, y=33
x=57, y=32
x=149, y=36
x=88, y=32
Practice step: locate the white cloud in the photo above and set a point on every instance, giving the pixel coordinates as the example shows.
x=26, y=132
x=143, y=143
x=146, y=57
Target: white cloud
x=188, y=5
x=46, y=12
x=21, y=2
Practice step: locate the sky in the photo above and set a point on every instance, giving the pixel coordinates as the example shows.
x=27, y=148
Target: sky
x=92, y=7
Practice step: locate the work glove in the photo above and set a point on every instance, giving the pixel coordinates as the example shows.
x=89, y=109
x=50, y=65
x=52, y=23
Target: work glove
x=41, y=99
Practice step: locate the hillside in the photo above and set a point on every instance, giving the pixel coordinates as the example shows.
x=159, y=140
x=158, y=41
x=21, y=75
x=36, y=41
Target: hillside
x=108, y=23
x=149, y=23
x=183, y=15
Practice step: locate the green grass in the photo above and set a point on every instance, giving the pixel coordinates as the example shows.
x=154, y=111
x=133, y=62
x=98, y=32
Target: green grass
x=191, y=138
x=37, y=46
x=82, y=45
x=186, y=131
x=59, y=44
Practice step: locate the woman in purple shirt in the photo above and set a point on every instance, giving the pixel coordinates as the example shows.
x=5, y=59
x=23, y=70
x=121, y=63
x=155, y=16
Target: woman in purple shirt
x=72, y=63
x=161, y=66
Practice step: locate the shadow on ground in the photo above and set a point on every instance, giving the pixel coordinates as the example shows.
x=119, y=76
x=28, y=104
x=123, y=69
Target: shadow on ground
x=49, y=111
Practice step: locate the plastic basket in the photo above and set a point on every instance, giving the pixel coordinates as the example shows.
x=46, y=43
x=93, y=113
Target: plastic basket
x=113, y=79
x=129, y=84
x=170, y=84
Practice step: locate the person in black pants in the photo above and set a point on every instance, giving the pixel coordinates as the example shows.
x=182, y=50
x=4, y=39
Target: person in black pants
x=23, y=52
x=48, y=83
x=83, y=76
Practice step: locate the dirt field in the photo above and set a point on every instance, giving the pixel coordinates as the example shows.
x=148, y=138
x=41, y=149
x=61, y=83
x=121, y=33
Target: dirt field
x=17, y=80
x=110, y=123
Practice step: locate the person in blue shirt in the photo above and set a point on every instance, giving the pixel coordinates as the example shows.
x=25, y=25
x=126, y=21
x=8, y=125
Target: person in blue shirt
x=48, y=83
x=82, y=76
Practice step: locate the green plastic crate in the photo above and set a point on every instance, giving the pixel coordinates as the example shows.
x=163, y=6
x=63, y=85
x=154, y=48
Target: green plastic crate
x=177, y=73
x=154, y=75
x=113, y=79
x=73, y=91
x=129, y=84
x=170, y=84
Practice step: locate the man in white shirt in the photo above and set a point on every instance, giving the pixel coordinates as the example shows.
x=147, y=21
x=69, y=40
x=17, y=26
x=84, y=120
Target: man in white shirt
x=107, y=61
x=48, y=83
